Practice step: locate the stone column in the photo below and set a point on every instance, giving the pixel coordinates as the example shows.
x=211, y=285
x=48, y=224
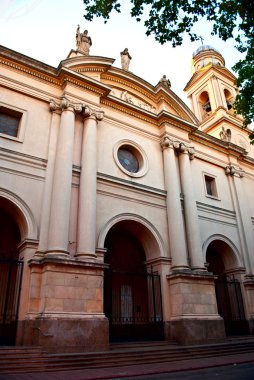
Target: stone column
x=61, y=191
x=46, y=203
x=235, y=176
x=86, y=239
x=174, y=211
x=190, y=208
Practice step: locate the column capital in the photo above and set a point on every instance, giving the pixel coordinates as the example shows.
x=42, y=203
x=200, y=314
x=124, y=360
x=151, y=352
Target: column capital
x=90, y=112
x=53, y=106
x=64, y=104
x=186, y=149
x=166, y=142
x=179, y=146
x=233, y=171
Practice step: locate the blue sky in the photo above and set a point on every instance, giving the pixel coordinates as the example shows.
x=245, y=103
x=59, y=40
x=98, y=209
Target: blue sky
x=45, y=30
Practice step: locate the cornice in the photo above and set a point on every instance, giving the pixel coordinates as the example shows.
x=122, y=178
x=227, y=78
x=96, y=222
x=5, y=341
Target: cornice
x=116, y=76
x=130, y=109
x=57, y=77
x=26, y=159
x=213, y=142
x=149, y=117
x=182, y=109
x=229, y=119
x=68, y=261
x=155, y=94
x=28, y=70
x=166, y=117
x=75, y=60
x=28, y=166
x=13, y=55
x=230, y=214
x=79, y=81
x=25, y=88
x=249, y=160
x=200, y=74
x=130, y=184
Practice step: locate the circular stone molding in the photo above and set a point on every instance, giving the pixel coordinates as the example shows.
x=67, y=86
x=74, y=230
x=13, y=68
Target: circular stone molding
x=130, y=158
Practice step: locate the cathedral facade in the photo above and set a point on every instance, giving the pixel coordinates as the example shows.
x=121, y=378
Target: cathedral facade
x=124, y=214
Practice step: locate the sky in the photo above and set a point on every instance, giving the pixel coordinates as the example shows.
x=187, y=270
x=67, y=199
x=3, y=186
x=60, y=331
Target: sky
x=45, y=30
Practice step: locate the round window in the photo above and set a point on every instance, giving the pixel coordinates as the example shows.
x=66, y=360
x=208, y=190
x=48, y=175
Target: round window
x=128, y=160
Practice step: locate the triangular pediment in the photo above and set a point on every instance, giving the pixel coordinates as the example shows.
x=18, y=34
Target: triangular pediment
x=209, y=70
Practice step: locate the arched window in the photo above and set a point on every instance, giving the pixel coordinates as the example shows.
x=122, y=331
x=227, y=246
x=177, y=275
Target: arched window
x=205, y=104
x=229, y=99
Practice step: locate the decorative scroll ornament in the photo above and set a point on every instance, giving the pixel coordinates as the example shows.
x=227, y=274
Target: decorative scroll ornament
x=166, y=142
x=77, y=107
x=179, y=146
x=64, y=104
x=53, y=106
x=233, y=171
x=87, y=112
x=99, y=115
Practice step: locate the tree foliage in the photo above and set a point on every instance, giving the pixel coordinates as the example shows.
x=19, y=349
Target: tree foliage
x=170, y=20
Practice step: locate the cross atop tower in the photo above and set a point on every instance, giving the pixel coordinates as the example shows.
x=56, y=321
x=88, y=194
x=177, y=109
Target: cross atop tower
x=201, y=39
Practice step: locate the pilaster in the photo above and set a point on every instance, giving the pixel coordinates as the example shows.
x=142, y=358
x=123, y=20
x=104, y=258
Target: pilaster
x=236, y=177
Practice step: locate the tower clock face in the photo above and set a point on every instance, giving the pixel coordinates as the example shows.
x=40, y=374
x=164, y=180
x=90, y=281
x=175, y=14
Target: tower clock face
x=128, y=160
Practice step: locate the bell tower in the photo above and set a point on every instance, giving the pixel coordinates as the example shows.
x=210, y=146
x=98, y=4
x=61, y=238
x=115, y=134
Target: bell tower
x=212, y=91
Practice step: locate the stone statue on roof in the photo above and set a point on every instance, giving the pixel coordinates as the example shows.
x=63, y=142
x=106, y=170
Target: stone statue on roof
x=125, y=59
x=165, y=82
x=83, y=41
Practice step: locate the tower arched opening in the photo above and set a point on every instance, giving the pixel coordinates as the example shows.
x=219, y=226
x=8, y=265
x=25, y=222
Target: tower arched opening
x=205, y=104
x=229, y=99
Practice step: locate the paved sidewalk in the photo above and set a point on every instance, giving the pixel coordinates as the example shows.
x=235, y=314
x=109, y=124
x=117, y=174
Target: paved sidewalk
x=135, y=370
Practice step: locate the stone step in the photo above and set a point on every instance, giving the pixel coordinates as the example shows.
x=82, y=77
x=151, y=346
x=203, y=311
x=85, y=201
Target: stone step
x=41, y=361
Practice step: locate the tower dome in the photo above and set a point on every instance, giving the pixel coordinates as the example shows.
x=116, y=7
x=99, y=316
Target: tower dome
x=205, y=56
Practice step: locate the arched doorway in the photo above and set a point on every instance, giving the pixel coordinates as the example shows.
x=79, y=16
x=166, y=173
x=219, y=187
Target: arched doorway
x=222, y=262
x=10, y=273
x=132, y=294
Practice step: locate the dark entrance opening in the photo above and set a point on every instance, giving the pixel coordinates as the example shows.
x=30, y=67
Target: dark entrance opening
x=10, y=278
x=132, y=295
x=227, y=288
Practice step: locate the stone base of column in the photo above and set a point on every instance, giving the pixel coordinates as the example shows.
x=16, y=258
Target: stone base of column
x=65, y=306
x=85, y=256
x=195, y=331
x=181, y=269
x=249, y=298
x=57, y=253
x=64, y=335
x=193, y=315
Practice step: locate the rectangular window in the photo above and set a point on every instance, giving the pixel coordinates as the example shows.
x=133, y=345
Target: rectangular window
x=9, y=121
x=210, y=185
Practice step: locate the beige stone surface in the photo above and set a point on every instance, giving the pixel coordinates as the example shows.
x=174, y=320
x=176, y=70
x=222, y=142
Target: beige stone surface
x=51, y=176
